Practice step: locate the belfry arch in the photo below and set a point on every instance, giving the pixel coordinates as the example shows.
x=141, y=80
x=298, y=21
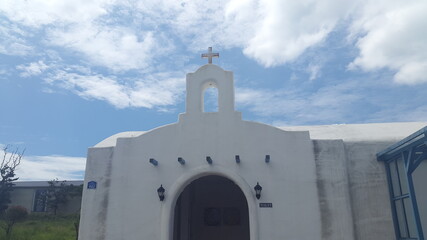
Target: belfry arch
x=211, y=207
x=210, y=76
x=210, y=97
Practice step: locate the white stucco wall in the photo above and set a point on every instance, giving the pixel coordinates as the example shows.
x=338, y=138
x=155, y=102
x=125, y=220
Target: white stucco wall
x=95, y=202
x=125, y=204
x=367, y=183
x=371, y=132
x=369, y=191
x=288, y=181
x=333, y=189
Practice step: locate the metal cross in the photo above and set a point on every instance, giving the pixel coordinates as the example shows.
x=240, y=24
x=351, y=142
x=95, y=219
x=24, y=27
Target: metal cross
x=210, y=55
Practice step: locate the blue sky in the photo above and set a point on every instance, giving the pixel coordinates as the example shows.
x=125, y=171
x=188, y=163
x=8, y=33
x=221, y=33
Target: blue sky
x=75, y=72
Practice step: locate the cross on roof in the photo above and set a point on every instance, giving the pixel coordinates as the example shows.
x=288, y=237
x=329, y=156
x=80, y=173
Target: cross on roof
x=210, y=55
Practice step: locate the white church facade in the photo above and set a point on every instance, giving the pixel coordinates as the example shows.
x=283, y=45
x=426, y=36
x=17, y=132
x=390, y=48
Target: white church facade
x=215, y=176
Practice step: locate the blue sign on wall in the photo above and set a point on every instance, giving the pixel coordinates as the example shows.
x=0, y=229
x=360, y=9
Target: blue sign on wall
x=91, y=185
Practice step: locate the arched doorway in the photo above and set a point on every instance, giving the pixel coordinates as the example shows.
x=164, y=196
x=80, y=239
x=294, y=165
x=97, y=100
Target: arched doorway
x=211, y=208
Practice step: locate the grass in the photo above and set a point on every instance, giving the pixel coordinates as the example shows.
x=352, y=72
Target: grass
x=44, y=227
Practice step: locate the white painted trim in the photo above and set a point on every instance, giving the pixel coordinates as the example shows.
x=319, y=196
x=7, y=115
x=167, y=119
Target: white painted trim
x=168, y=206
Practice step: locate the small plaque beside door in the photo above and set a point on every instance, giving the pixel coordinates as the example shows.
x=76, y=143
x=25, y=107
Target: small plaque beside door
x=266, y=205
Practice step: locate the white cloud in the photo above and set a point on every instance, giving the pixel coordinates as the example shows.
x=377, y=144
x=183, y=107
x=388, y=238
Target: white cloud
x=142, y=36
x=79, y=26
x=393, y=36
x=273, y=32
x=285, y=29
x=314, y=71
x=15, y=48
x=155, y=91
x=93, y=87
x=12, y=40
x=389, y=34
x=197, y=24
x=260, y=101
x=47, y=167
x=117, y=48
x=3, y=71
x=32, y=69
x=412, y=73
x=400, y=112
x=37, y=13
x=328, y=104
x=50, y=167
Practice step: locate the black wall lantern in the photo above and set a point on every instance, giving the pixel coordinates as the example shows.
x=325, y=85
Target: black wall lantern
x=161, y=193
x=258, y=190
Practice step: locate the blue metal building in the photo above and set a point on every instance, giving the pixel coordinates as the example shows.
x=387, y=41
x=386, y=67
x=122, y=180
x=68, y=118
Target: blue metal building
x=406, y=166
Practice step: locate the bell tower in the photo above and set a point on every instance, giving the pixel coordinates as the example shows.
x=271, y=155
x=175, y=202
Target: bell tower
x=210, y=75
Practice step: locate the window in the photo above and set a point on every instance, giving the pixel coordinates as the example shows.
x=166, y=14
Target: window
x=402, y=206
x=401, y=202
x=40, y=201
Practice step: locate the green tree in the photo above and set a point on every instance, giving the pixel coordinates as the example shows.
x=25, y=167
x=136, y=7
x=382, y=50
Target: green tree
x=56, y=195
x=59, y=192
x=76, y=223
x=77, y=191
x=13, y=215
x=8, y=164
